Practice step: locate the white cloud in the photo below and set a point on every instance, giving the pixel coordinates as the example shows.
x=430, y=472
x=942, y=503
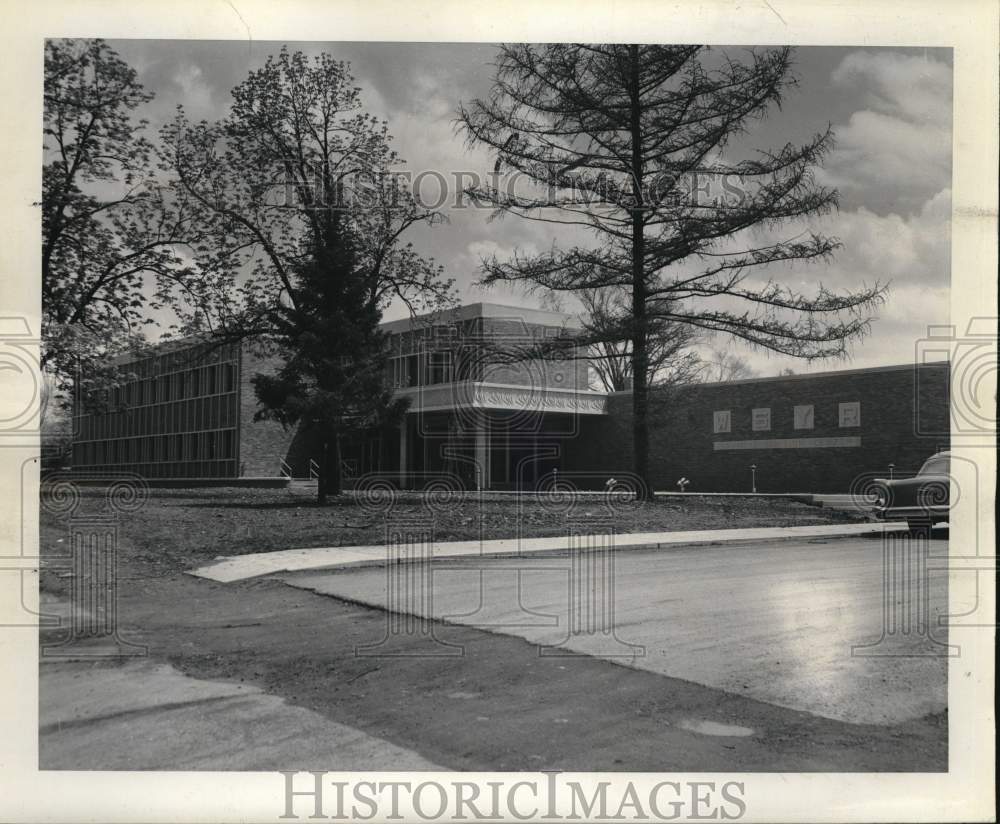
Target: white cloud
x=896, y=150
x=913, y=249
x=906, y=86
x=195, y=92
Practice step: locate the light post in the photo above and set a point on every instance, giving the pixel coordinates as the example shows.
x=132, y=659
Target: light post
x=753, y=478
x=892, y=466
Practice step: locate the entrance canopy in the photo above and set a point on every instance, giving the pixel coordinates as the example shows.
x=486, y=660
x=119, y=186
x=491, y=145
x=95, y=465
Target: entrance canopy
x=503, y=397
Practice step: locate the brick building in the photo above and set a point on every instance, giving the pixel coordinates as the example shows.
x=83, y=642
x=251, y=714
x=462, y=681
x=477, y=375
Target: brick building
x=477, y=410
x=178, y=416
x=802, y=433
x=480, y=413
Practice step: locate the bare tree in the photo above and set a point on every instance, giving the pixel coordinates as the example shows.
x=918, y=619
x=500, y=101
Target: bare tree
x=620, y=140
x=723, y=365
x=670, y=361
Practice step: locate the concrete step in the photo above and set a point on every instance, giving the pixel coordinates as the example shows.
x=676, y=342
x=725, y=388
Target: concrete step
x=302, y=483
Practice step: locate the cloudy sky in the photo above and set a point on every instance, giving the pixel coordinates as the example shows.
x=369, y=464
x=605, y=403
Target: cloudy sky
x=890, y=109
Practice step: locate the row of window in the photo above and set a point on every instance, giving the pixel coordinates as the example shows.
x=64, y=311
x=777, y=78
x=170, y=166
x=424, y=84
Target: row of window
x=191, y=446
x=443, y=367
x=471, y=334
x=803, y=417
x=423, y=338
x=183, y=358
x=216, y=412
x=190, y=383
x=431, y=368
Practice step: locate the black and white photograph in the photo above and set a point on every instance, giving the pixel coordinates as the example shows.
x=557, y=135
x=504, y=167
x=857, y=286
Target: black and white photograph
x=584, y=428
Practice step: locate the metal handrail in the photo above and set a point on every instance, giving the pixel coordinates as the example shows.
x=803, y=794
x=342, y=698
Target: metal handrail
x=284, y=469
x=313, y=470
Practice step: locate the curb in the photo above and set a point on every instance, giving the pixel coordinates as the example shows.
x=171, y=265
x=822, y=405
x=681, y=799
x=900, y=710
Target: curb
x=217, y=571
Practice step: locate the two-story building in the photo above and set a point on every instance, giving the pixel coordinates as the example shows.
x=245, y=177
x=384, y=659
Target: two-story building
x=484, y=412
x=478, y=409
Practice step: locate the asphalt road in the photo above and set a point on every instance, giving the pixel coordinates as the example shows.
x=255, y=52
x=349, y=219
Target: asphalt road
x=816, y=626
x=257, y=674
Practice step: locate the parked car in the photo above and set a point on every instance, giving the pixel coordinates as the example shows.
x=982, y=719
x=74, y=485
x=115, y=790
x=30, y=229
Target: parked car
x=922, y=500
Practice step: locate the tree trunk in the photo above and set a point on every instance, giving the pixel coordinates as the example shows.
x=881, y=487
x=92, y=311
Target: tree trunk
x=321, y=481
x=336, y=475
x=330, y=481
x=640, y=352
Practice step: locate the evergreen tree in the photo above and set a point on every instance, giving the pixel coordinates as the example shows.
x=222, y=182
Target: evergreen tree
x=333, y=355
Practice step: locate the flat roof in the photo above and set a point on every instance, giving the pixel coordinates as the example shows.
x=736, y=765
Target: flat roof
x=158, y=348
x=831, y=373
x=469, y=311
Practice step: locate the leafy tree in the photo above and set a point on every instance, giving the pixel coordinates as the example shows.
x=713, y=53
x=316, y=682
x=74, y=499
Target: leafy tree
x=619, y=140
x=111, y=238
x=55, y=427
x=304, y=213
x=270, y=179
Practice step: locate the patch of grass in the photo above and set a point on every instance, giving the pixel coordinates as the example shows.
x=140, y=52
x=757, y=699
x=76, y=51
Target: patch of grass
x=178, y=529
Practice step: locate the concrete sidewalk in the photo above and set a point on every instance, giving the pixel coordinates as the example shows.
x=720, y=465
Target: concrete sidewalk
x=253, y=565
x=145, y=715
x=110, y=713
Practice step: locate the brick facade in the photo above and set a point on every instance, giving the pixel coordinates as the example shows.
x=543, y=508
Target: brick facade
x=267, y=449
x=188, y=412
x=847, y=424
x=483, y=349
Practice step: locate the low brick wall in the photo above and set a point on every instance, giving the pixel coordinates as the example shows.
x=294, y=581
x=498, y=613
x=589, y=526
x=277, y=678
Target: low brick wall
x=804, y=433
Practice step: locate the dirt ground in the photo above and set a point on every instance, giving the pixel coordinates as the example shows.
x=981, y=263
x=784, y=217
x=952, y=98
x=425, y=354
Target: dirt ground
x=496, y=706
x=185, y=528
